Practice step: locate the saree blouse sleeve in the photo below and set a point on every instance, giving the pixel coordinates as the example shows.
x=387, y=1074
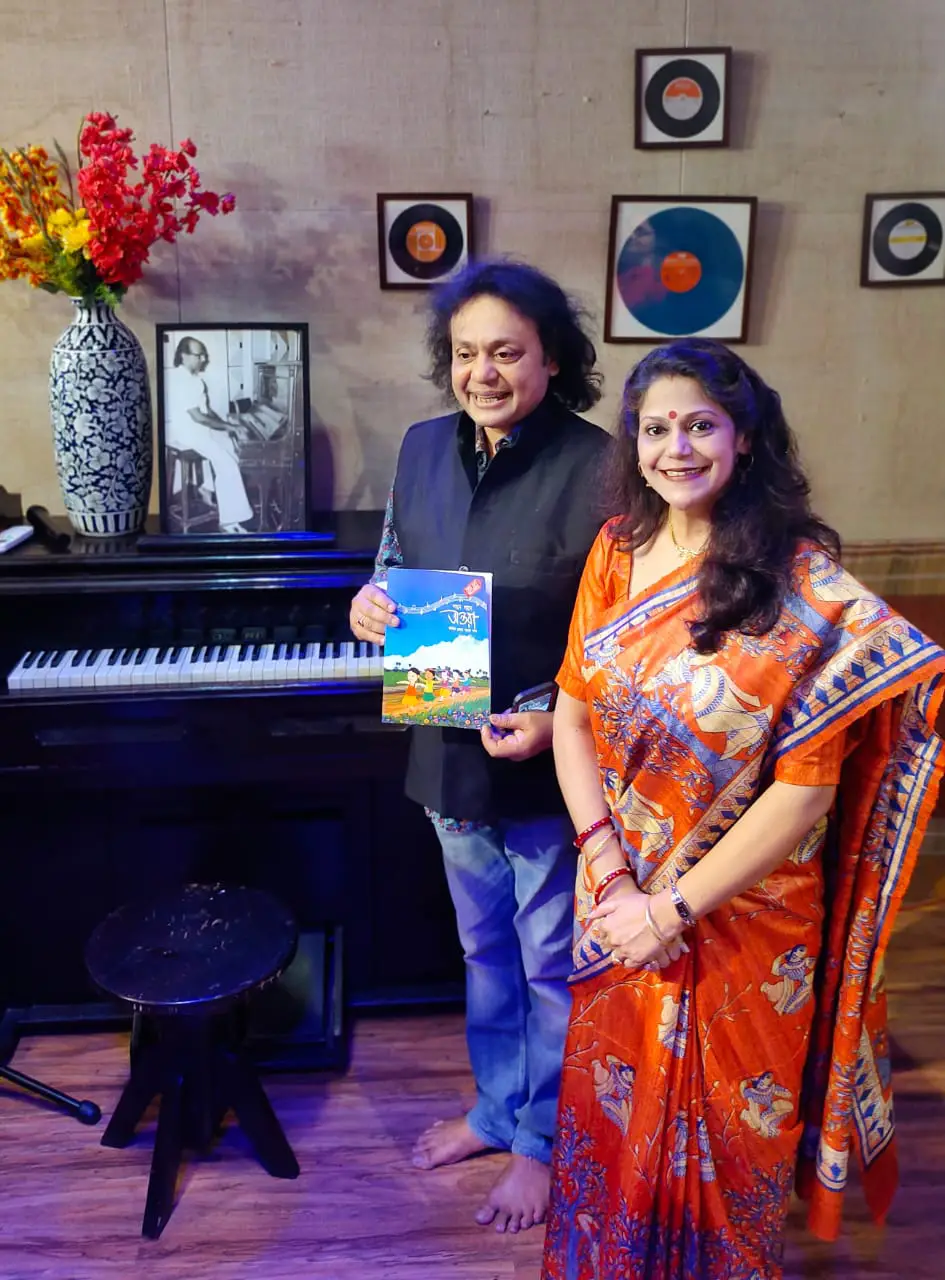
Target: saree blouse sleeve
x=820, y=765
x=596, y=593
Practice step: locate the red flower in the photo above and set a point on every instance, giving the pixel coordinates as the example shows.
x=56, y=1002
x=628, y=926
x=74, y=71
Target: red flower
x=126, y=218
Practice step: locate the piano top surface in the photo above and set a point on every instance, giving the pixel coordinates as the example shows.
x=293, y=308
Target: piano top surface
x=116, y=564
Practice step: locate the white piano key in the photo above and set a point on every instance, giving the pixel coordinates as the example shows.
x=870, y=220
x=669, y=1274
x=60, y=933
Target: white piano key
x=64, y=670
x=293, y=663
x=50, y=670
x=377, y=661
x=280, y=664
x=144, y=672
x=91, y=667
x=348, y=655
x=313, y=667
x=264, y=668
x=36, y=671
x=363, y=660
x=231, y=673
x=16, y=678
x=71, y=676
x=103, y=673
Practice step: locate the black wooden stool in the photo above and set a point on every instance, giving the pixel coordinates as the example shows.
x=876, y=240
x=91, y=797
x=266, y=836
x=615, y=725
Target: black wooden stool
x=186, y=961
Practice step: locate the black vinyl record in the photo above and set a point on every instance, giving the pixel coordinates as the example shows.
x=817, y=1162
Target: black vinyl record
x=425, y=241
x=671, y=79
x=895, y=261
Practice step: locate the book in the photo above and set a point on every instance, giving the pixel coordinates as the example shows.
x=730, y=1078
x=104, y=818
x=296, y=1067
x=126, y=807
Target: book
x=437, y=663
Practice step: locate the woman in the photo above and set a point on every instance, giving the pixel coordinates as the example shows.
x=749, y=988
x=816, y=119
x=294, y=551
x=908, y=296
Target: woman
x=744, y=739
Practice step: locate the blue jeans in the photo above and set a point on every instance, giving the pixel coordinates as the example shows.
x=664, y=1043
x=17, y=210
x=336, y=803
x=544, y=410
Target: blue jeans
x=513, y=889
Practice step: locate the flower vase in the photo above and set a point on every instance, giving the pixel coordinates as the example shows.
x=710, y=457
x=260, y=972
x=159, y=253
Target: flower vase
x=100, y=402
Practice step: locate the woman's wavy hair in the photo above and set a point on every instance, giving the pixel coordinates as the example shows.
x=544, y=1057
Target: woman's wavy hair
x=560, y=322
x=757, y=520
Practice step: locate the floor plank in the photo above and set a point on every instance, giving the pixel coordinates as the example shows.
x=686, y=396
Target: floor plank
x=71, y=1209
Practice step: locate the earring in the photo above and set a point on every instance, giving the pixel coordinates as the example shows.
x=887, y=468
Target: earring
x=640, y=469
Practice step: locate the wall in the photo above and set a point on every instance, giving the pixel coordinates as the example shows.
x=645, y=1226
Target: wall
x=307, y=108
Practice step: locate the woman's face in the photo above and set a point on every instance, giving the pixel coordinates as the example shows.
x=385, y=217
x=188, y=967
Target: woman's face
x=687, y=444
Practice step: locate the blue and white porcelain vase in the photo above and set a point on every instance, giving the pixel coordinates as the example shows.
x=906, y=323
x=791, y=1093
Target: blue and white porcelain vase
x=100, y=402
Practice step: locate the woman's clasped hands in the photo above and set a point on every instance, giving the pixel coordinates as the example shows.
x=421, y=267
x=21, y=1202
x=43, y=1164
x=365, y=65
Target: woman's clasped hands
x=620, y=924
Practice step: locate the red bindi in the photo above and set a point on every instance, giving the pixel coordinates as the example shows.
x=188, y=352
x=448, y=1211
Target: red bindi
x=673, y=415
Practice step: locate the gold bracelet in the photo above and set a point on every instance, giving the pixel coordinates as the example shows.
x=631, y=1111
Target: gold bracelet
x=592, y=852
x=651, y=924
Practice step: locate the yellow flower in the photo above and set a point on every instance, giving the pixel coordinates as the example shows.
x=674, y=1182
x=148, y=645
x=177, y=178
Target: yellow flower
x=76, y=238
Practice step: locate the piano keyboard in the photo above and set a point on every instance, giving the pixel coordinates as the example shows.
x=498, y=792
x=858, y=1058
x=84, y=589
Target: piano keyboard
x=229, y=665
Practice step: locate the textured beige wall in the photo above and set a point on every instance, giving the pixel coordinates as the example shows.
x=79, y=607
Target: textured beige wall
x=307, y=108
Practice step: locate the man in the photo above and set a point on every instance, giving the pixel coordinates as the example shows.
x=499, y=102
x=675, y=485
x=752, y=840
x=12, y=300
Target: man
x=192, y=424
x=507, y=485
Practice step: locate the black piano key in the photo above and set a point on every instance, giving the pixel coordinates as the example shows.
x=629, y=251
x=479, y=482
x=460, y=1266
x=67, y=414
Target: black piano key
x=280, y=653
x=92, y=656
x=214, y=654
x=80, y=656
x=126, y=656
x=33, y=659
x=57, y=660
x=295, y=652
x=114, y=657
x=140, y=657
x=45, y=659
x=163, y=653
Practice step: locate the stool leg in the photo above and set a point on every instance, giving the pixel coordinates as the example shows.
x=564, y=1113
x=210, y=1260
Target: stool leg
x=143, y=1084
x=254, y=1112
x=165, y=1160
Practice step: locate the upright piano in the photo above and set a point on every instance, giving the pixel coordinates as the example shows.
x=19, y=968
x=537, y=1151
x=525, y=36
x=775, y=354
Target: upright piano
x=171, y=715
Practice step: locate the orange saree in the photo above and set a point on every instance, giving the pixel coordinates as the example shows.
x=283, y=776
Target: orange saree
x=694, y=1098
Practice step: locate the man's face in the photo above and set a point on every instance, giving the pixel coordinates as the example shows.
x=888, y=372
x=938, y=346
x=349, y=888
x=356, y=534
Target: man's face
x=499, y=372
x=195, y=358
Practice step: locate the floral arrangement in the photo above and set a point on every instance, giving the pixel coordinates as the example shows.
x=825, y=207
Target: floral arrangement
x=90, y=235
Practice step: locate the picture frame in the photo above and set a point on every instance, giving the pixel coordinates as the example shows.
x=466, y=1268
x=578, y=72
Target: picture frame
x=679, y=266
x=233, y=439
x=902, y=243
x=422, y=240
x=682, y=98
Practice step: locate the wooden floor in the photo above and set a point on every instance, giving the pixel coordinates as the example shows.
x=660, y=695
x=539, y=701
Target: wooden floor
x=71, y=1209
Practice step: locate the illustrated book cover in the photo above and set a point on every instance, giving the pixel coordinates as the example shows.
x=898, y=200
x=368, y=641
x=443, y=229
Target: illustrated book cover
x=437, y=668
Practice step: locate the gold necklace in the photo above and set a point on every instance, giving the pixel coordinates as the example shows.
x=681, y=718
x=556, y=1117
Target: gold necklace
x=685, y=552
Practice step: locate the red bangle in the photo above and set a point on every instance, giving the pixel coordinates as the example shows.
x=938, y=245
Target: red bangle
x=609, y=878
x=582, y=839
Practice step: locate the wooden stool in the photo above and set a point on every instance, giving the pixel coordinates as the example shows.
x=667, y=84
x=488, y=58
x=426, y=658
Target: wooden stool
x=191, y=465
x=185, y=962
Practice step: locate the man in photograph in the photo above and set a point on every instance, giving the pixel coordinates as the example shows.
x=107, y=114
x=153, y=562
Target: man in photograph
x=193, y=425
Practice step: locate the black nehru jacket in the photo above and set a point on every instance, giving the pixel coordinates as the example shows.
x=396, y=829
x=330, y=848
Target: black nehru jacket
x=530, y=522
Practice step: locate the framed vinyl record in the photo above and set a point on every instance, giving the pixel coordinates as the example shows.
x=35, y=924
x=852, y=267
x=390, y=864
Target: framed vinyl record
x=422, y=240
x=902, y=240
x=682, y=97
x=679, y=267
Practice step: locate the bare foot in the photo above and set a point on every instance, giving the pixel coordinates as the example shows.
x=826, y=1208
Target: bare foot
x=447, y=1142
x=519, y=1198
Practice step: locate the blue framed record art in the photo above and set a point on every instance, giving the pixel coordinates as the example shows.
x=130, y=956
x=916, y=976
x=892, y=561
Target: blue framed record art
x=679, y=267
x=903, y=240
x=682, y=97
x=423, y=239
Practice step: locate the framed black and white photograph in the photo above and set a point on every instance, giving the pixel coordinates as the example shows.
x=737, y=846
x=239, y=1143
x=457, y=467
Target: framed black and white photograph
x=679, y=267
x=682, y=97
x=233, y=428
x=902, y=240
x=422, y=240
